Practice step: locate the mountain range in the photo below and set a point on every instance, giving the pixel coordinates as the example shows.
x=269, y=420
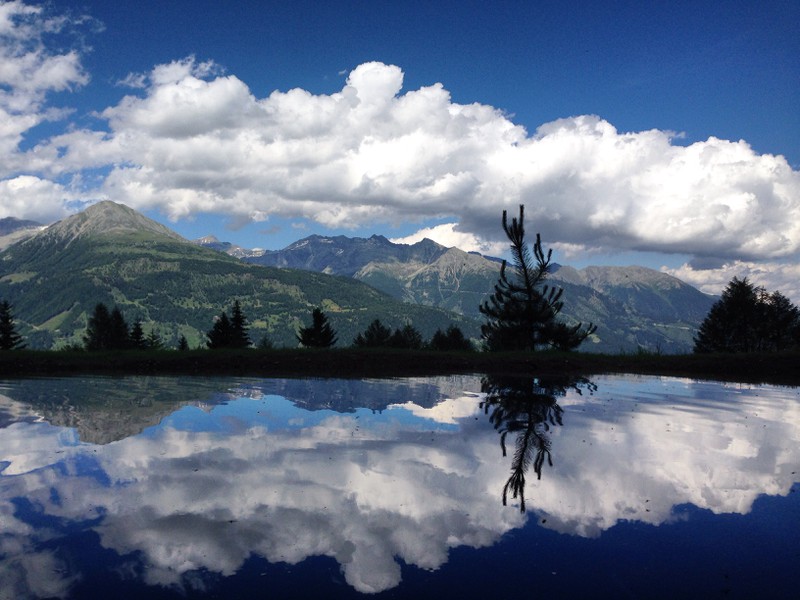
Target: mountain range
x=110, y=253
x=634, y=307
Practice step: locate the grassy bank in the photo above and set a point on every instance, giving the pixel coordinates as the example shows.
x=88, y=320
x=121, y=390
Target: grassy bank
x=353, y=363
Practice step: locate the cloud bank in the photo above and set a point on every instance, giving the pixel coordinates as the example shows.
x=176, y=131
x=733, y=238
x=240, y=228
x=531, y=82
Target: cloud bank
x=191, y=139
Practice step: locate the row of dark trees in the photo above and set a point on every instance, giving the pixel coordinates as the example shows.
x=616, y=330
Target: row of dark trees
x=108, y=330
x=748, y=318
x=320, y=334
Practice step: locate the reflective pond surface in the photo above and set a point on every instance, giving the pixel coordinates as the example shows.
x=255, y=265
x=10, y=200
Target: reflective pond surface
x=463, y=487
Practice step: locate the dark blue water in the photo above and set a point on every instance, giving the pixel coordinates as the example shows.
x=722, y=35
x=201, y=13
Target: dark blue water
x=615, y=487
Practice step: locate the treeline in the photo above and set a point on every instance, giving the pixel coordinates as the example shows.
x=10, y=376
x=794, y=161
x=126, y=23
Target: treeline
x=108, y=330
x=320, y=334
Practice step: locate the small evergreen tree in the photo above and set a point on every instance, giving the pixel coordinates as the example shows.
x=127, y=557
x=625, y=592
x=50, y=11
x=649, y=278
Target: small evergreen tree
x=9, y=338
x=522, y=312
x=407, y=338
x=375, y=335
x=153, y=341
x=221, y=333
x=452, y=340
x=183, y=344
x=319, y=334
x=239, y=335
x=138, y=341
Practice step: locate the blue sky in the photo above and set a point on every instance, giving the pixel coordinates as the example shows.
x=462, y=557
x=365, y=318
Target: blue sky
x=661, y=134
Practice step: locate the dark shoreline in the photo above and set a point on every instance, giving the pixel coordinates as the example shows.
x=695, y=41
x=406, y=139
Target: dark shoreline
x=780, y=368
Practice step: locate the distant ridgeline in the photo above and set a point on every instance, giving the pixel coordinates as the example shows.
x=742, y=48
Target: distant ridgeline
x=54, y=277
x=634, y=307
x=113, y=255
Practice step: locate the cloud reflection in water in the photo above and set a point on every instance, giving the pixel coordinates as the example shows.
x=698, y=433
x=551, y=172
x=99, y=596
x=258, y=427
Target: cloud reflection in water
x=418, y=473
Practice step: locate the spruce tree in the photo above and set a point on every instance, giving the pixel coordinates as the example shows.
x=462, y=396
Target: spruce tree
x=239, y=335
x=98, y=326
x=319, y=334
x=9, y=338
x=120, y=336
x=138, y=341
x=375, y=335
x=781, y=330
x=221, y=333
x=153, y=341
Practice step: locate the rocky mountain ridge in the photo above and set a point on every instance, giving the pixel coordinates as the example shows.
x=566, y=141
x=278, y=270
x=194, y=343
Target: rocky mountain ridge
x=635, y=307
x=105, y=218
x=13, y=230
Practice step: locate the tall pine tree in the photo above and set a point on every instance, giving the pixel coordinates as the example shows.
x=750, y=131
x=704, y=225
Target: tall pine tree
x=239, y=335
x=319, y=334
x=229, y=332
x=522, y=312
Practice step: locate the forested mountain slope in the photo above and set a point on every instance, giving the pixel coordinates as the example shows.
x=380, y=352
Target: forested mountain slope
x=112, y=254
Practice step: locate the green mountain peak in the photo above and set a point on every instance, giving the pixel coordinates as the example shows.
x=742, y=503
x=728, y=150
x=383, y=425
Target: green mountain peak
x=109, y=253
x=103, y=219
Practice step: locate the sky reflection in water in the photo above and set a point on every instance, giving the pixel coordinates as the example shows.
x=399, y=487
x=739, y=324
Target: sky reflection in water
x=187, y=485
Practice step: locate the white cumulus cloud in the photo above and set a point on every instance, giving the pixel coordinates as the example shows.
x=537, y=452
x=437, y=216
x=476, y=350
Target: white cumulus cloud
x=190, y=138
x=781, y=276
x=196, y=142
x=38, y=199
x=29, y=70
x=447, y=235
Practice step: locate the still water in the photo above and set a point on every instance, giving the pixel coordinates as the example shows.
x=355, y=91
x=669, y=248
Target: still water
x=462, y=487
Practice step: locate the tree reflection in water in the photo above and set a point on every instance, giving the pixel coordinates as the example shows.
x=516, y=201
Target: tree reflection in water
x=527, y=407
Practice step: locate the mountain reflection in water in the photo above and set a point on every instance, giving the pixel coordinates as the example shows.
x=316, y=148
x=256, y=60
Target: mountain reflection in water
x=191, y=485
